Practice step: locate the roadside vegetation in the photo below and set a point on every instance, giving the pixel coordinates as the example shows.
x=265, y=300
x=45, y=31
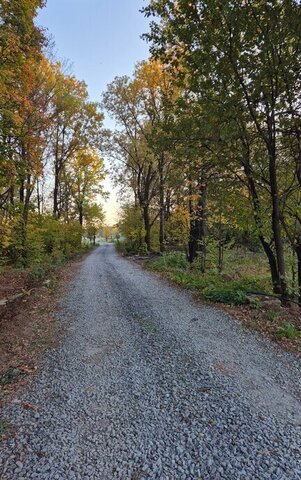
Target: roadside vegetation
x=207, y=152
x=231, y=286
x=51, y=171
x=243, y=289
x=208, y=136
x=207, y=144
x=51, y=174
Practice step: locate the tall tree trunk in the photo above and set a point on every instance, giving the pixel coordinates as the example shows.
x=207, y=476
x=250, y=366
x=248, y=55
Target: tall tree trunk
x=161, y=203
x=27, y=193
x=147, y=226
x=12, y=195
x=81, y=215
x=220, y=260
x=22, y=174
x=38, y=197
x=298, y=253
x=298, y=155
x=191, y=242
x=56, y=190
x=59, y=161
x=22, y=191
x=29, y=190
x=56, y=176
x=276, y=225
x=197, y=234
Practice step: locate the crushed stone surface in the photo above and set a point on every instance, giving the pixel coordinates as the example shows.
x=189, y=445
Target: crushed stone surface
x=148, y=384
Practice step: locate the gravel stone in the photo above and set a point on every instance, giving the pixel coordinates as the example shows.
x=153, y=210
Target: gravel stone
x=148, y=384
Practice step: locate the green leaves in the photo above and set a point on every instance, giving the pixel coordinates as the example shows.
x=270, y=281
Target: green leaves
x=238, y=64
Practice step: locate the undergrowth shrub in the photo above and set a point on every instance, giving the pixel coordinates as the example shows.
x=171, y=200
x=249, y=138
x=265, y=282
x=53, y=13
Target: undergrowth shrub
x=234, y=292
x=130, y=247
x=213, y=286
x=225, y=294
x=44, y=244
x=170, y=260
x=39, y=272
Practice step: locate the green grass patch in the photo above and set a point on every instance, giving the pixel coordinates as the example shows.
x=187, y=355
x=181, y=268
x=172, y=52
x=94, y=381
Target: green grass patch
x=288, y=330
x=271, y=315
x=217, y=289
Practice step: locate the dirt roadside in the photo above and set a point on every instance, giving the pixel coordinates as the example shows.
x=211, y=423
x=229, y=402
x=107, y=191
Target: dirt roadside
x=28, y=324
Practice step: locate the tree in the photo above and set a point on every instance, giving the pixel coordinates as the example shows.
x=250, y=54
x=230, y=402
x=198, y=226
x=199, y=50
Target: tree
x=240, y=61
x=46, y=119
x=77, y=126
x=158, y=96
x=84, y=175
x=24, y=97
x=129, y=147
x=132, y=228
x=94, y=218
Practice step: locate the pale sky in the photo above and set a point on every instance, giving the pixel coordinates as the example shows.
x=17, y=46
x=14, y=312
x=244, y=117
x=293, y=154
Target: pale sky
x=101, y=39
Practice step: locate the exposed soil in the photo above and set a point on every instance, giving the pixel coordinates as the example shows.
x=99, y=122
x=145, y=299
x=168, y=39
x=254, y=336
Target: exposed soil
x=27, y=324
x=13, y=282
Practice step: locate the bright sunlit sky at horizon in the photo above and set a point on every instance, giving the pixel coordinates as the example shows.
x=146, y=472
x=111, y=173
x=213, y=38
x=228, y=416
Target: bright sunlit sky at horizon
x=101, y=40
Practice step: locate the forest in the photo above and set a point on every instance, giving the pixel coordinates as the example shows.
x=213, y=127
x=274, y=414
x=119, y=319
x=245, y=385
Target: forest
x=150, y=239
x=208, y=142
x=51, y=170
x=206, y=153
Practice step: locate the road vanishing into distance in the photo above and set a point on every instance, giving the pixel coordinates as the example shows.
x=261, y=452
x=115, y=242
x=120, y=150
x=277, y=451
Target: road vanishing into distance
x=148, y=384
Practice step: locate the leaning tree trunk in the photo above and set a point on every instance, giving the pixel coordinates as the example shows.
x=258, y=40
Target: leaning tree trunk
x=258, y=222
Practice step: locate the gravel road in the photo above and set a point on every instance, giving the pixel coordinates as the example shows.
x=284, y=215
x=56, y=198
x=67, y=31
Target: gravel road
x=147, y=384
